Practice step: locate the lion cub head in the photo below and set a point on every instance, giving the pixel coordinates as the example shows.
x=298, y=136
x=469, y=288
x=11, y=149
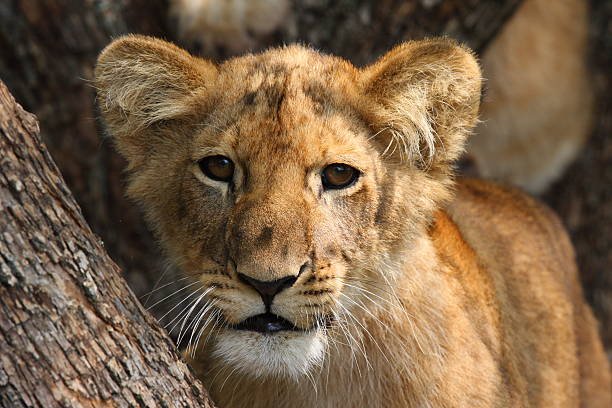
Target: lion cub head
x=285, y=183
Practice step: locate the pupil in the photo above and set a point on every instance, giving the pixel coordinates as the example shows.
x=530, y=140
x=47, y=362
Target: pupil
x=341, y=173
x=338, y=175
x=217, y=167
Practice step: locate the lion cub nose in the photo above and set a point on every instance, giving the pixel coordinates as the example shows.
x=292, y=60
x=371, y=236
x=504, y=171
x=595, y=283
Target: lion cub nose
x=268, y=289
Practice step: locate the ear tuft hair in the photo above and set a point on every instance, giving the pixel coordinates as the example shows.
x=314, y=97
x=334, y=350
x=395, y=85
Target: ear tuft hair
x=423, y=98
x=141, y=81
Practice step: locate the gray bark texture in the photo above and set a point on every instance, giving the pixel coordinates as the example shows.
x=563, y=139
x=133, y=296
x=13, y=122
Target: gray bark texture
x=72, y=334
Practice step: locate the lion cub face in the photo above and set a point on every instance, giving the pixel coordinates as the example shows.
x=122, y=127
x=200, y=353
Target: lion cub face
x=281, y=183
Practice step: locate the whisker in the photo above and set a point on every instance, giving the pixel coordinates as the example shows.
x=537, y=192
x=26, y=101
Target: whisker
x=181, y=332
x=399, y=306
x=172, y=294
x=195, y=292
x=387, y=287
x=157, y=289
x=209, y=320
x=314, y=385
x=178, y=318
x=196, y=323
x=365, y=329
x=409, y=318
x=227, y=378
x=396, y=305
x=350, y=338
x=360, y=344
x=231, y=402
x=148, y=294
x=216, y=325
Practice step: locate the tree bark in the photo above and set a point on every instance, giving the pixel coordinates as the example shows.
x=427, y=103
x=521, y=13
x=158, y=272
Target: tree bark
x=72, y=334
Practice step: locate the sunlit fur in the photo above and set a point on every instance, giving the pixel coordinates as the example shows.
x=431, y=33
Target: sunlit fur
x=411, y=291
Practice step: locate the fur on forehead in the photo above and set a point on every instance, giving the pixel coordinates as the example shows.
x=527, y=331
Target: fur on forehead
x=420, y=99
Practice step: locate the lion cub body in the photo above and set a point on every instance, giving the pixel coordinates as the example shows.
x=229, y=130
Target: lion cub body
x=506, y=323
x=407, y=290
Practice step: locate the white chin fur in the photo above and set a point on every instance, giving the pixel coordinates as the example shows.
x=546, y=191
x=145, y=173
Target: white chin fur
x=284, y=354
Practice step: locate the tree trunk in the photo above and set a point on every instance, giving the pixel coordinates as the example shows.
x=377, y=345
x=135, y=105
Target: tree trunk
x=72, y=334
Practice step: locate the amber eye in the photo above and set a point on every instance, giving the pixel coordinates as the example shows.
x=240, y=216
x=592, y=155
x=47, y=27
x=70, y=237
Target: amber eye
x=338, y=175
x=218, y=168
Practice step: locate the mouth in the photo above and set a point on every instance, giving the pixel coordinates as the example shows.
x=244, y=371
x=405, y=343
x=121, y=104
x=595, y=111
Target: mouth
x=266, y=323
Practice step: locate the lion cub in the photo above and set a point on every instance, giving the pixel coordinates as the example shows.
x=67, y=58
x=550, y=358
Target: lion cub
x=334, y=261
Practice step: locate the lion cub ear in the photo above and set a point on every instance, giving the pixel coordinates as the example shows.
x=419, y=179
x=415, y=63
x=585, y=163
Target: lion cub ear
x=142, y=81
x=423, y=97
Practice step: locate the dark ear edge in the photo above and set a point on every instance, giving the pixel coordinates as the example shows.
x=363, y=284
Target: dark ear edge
x=423, y=98
x=143, y=80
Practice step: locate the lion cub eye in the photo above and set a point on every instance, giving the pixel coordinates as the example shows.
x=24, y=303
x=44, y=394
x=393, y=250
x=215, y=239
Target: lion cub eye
x=218, y=168
x=338, y=175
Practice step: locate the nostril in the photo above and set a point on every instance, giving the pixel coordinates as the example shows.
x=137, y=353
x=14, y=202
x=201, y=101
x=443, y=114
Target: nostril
x=286, y=282
x=268, y=289
x=302, y=269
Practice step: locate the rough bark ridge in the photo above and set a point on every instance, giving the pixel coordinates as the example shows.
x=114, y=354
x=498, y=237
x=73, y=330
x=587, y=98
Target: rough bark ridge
x=72, y=334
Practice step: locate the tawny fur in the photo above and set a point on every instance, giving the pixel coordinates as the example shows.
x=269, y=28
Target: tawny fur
x=538, y=106
x=440, y=294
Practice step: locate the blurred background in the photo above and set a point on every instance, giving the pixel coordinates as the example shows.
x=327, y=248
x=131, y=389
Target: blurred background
x=546, y=114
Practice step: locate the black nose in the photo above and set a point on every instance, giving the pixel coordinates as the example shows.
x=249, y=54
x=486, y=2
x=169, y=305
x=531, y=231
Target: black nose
x=268, y=289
